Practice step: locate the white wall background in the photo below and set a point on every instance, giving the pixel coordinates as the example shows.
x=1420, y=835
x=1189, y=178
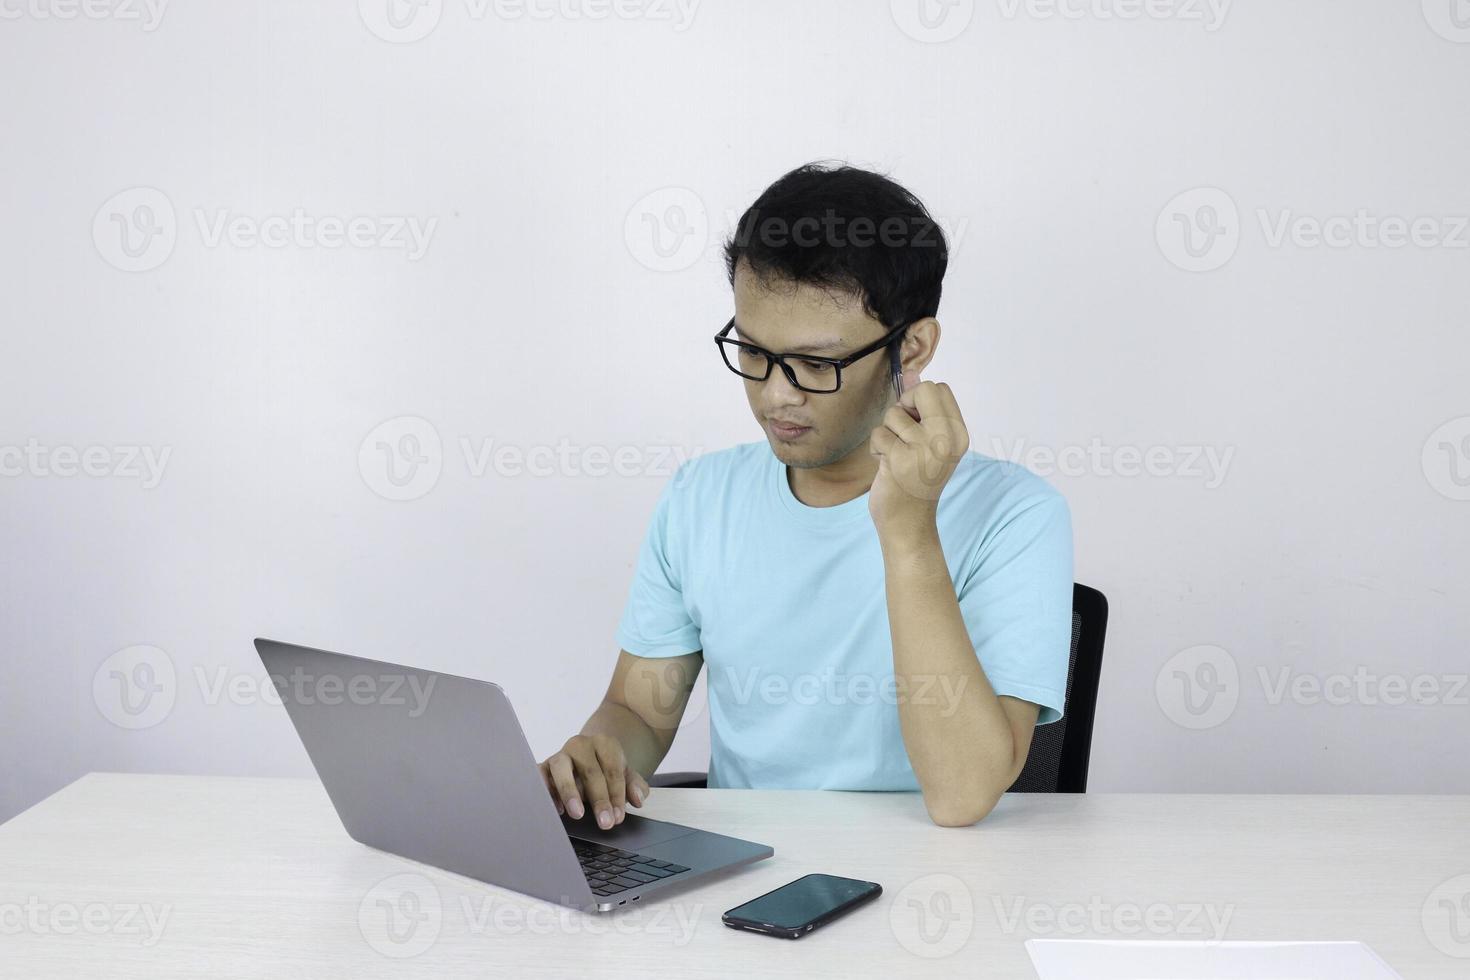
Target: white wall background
x=1050, y=146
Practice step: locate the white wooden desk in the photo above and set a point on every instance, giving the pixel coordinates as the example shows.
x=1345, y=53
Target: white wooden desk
x=176, y=876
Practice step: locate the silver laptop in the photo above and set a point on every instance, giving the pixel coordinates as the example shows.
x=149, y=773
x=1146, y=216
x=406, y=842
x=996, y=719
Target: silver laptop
x=435, y=768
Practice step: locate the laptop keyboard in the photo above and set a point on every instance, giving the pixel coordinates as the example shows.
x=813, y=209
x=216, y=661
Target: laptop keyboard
x=610, y=870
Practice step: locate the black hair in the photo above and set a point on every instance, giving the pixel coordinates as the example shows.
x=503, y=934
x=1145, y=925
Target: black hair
x=846, y=230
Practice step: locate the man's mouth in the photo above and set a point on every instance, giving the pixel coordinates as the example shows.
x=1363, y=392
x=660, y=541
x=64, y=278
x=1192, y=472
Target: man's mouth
x=788, y=431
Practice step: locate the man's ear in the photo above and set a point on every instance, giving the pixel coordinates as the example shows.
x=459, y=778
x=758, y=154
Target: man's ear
x=917, y=348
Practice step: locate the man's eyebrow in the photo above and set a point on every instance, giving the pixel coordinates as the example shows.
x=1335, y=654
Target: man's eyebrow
x=816, y=348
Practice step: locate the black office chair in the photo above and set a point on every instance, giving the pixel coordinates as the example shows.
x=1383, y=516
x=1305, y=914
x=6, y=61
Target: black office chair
x=1057, y=762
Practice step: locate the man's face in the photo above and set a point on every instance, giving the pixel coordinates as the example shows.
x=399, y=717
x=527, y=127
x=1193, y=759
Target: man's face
x=785, y=317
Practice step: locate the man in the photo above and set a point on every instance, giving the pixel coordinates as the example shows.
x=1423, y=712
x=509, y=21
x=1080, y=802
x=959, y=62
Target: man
x=879, y=607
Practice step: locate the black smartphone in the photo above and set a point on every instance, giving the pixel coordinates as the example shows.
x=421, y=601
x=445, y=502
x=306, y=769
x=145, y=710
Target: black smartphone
x=796, y=908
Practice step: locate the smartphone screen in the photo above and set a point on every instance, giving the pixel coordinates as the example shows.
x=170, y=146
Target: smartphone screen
x=803, y=901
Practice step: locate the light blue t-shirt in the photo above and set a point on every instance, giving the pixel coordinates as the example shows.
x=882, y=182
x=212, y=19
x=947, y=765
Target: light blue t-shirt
x=787, y=602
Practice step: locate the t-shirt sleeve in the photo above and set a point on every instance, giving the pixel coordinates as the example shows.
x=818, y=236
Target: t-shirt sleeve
x=1017, y=604
x=656, y=621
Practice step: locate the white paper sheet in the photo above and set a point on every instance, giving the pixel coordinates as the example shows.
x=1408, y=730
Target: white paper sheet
x=1088, y=959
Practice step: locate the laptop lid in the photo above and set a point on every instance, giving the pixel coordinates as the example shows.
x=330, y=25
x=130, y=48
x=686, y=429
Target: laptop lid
x=430, y=766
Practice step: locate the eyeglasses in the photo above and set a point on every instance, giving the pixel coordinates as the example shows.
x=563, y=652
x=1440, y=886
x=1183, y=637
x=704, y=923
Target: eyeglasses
x=808, y=372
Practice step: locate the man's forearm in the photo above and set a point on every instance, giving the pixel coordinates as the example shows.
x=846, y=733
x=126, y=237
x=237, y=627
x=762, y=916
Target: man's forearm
x=643, y=747
x=958, y=738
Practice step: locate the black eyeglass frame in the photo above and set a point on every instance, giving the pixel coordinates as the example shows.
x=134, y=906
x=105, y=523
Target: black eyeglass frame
x=838, y=363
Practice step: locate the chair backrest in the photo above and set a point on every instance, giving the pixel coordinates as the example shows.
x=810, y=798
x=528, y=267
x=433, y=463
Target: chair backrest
x=1057, y=762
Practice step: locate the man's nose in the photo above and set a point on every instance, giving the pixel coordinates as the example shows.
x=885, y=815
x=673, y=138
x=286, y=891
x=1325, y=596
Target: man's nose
x=778, y=389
